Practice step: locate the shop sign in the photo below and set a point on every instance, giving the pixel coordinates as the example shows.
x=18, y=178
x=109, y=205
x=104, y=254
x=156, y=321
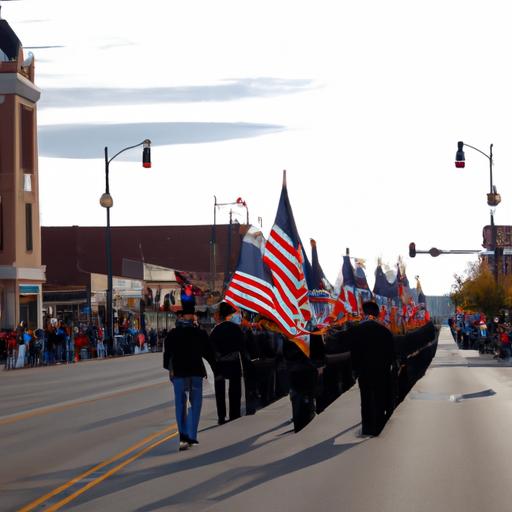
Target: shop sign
x=29, y=289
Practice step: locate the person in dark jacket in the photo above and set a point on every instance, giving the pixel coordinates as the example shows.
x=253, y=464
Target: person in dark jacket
x=227, y=340
x=184, y=348
x=374, y=360
x=303, y=375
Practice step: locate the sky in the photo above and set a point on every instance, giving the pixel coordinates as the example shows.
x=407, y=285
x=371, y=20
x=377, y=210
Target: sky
x=361, y=102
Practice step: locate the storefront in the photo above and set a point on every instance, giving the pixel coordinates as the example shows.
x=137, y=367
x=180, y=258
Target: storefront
x=127, y=295
x=30, y=300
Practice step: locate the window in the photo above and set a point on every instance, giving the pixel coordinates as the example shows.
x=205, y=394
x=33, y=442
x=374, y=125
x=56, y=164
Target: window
x=27, y=182
x=28, y=226
x=27, y=138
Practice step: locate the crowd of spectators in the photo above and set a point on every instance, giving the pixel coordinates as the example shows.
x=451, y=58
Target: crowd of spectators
x=473, y=331
x=60, y=343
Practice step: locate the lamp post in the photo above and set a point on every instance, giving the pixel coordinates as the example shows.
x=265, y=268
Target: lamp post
x=107, y=202
x=493, y=198
x=213, y=251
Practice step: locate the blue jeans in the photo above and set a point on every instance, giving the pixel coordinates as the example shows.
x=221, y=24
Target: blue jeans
x=188, y=420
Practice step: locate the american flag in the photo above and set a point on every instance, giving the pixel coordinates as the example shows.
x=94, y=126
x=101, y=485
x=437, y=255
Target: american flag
x=270, y=277
x=285, y=257
x=252, y=287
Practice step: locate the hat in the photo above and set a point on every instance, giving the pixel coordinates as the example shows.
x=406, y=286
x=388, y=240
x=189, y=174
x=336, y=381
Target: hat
x=226, y=309
x=370, y=307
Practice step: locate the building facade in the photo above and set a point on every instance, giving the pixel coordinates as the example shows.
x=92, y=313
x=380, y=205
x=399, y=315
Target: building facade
x=163, y=260
x=497, y=242
x=21, y=272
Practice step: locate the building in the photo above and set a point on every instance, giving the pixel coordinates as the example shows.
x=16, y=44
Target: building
x=160, y=260
x=503, y=252
x=21, y=272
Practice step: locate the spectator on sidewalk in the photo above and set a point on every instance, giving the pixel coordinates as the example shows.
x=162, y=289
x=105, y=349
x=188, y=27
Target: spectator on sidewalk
x=505, y=349
x=185, y=346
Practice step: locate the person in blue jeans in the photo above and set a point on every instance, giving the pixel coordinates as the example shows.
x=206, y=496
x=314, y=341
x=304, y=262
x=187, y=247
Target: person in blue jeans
x=184, y=349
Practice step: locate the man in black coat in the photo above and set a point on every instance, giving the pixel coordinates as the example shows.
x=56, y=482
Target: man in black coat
x=227, y=340
x=303, y=375
x=184, y=348
x=374, y=361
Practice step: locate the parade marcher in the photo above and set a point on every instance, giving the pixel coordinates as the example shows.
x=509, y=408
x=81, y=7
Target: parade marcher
x=227, y=341
x=185, y=346
x=373, y=359
x=303, y=375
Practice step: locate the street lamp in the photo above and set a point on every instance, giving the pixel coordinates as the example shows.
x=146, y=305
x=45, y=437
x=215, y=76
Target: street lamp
x=493, y=198
x=213, y=253
x=107, y=202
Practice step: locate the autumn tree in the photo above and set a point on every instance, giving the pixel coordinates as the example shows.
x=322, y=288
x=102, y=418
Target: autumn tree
x=478, y=290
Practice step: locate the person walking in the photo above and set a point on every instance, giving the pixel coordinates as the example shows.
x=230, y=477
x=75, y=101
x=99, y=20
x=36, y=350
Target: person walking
x=184, y=348
x=304, y=375
x=227, y=340
x=373, y=359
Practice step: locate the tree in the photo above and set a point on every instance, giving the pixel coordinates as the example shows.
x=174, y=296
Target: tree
x=478, y=290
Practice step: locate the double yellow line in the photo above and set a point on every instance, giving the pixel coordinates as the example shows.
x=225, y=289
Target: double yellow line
x=140, y=446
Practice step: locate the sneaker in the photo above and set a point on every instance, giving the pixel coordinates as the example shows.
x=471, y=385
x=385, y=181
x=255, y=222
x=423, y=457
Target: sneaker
x=183, y=446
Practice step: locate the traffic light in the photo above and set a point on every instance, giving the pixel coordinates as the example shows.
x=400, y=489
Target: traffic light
x=146, y=154
x=412, y=250
x=460, y=159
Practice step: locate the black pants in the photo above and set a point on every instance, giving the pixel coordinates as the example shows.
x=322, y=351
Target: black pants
x=303, y=409
x=234, y=393
x=376, y=402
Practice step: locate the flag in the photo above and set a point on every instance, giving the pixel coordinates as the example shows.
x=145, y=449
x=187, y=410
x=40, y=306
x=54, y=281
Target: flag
x=360, y=276
x=252, y=288
x=284, y=255
x=320, y=295
x=383, y=287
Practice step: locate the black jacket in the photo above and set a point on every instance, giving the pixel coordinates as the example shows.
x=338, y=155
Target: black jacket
x=302, y=370
x=227, y=340
x=372, y=348
x=184, y=348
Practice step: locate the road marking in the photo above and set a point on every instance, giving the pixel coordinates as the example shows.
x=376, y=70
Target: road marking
x=109, y=473
x=101, y=465
x=13, y=418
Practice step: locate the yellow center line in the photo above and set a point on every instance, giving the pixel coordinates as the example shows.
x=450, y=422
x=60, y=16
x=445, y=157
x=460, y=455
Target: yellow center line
x=58, y=408
x=109, y=473
x=76, y=479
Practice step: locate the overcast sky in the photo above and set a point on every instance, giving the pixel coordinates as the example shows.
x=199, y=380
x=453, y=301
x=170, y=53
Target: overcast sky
x=361, y=102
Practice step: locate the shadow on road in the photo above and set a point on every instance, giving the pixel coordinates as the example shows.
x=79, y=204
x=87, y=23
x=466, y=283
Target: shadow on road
x=244, y=478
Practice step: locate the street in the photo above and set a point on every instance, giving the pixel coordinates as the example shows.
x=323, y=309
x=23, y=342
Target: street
x=444, y=449
x=57, y=422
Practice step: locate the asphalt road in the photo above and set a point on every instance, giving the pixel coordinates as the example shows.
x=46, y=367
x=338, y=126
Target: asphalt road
x=446, y=448
x=58, y=422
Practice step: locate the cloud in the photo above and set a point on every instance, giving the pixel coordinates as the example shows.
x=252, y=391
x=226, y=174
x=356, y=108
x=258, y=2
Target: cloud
x=32, y=21
x=88, y=140
x=109, y=46
x=229, y=90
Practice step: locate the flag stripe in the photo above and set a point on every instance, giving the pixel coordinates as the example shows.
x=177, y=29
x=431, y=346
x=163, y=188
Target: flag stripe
x=249, y=302
x=286, y=255
x=273, y=294
x=267, y=304
x=274, y=259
